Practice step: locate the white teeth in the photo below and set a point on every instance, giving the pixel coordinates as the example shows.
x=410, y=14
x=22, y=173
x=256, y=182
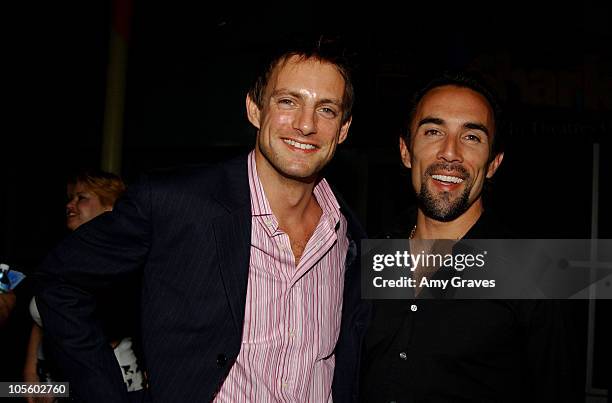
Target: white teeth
x=446, y=178
x=299, y=145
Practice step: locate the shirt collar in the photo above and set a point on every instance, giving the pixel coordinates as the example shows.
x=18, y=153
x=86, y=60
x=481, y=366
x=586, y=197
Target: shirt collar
x=259, y=201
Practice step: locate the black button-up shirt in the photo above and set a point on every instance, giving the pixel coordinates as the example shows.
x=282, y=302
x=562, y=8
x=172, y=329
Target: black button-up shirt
x=465, y=350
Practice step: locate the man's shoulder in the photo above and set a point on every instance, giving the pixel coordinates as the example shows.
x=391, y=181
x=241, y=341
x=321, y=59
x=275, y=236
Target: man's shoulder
x=490, y=225
x=225, y=182
x=198, y=174
x=202, y=178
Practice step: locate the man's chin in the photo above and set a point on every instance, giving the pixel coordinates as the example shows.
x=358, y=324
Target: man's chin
x=442, y=206
x=443, y=216
x=305, y=177
x=297, y=173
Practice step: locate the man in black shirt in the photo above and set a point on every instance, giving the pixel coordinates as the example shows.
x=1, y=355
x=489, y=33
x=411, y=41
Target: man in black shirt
x=459, y=350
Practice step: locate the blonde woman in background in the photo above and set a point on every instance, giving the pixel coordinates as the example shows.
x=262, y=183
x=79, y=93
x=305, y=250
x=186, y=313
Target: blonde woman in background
x=89, y=195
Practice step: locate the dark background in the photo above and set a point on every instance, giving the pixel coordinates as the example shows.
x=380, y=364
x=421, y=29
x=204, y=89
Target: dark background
x=188, y=70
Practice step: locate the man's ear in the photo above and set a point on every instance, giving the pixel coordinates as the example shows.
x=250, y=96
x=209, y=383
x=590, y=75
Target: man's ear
x=344, y=130
x=404, y=152
x=253, y=112
x=494, y=164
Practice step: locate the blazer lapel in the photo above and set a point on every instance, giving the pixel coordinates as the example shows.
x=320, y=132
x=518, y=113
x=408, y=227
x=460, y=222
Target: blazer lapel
x=232, y=233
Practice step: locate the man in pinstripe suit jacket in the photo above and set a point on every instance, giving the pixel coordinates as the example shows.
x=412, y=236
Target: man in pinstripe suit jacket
x=191, y=235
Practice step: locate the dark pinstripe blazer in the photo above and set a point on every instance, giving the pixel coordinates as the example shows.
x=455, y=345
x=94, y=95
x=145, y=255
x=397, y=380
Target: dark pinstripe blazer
x=188, y=233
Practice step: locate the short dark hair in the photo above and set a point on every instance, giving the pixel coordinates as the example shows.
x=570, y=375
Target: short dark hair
x=463, y=79
x=328, y=50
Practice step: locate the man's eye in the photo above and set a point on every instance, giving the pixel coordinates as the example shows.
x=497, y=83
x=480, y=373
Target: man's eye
x=473, y=138
x=286, y=102
x=432, y=132
x=328, y=112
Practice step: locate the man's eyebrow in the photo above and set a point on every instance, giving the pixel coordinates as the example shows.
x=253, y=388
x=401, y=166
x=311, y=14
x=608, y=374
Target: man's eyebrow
x=284, y=91
x=332, y=101
x=430, y=119
x=477, y=126
x=468, y=125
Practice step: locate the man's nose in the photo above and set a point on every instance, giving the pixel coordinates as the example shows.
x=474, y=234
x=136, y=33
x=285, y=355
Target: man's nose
x=450, y=150
x=306, y=122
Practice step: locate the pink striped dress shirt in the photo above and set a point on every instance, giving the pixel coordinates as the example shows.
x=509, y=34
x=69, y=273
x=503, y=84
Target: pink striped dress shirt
x=292, y=313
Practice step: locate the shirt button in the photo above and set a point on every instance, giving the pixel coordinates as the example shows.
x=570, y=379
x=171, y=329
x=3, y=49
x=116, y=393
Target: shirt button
x=403, y=355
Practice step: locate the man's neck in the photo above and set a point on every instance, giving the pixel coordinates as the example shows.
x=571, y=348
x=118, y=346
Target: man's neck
x=290, y=199
x=429, y=228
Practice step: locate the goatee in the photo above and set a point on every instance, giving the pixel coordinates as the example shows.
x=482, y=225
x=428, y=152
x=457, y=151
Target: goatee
x=440, y=206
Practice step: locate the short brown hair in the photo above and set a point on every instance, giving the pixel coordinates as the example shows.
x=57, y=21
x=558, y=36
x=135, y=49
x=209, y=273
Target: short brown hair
x=107, y=186
x=324, y=50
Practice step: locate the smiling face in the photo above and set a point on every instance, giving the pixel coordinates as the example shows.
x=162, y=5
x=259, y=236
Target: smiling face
x=83, y=205
x=449, y=152
x=300, y=122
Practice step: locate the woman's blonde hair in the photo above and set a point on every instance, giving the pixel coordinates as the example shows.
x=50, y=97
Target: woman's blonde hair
x=107, y=186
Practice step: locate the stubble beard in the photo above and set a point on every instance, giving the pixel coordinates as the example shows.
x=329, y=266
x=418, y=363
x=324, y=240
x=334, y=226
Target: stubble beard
x=442, y=206
x=282, y=165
